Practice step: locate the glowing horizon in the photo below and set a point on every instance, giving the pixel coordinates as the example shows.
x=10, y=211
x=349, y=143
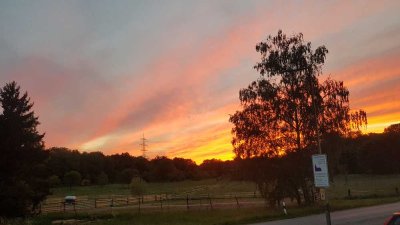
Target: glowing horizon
x=102, y=74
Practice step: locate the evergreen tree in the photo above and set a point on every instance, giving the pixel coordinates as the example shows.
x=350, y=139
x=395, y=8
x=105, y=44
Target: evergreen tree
x=23, y=183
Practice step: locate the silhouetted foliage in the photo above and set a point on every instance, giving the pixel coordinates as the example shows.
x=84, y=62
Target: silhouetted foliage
x=373, y=153
x=102, y=179
x=163, y=169
x=354, y=153
x=287, y=108
x=23, y=183
x=393, y=129
x=54, y=181
x=121, y=168
x=187, y=169
x=127, y=174
x=63, y=160
x=214, y=168
x=72, y=178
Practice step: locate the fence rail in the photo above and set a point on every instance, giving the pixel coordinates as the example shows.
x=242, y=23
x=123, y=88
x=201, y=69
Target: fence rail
x=84, y=203
x=188, y=201
x=356, y=193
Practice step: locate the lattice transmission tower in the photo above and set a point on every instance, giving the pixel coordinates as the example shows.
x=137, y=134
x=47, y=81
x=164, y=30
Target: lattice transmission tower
x=144, y=145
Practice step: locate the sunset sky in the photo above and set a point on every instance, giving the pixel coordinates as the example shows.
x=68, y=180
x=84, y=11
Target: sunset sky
x=102, y=73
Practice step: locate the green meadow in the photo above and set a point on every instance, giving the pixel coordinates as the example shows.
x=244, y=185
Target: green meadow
x=366, y=190
x=209, y=186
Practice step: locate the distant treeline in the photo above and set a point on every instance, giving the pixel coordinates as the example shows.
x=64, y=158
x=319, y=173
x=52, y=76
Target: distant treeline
x=368, y=154
x=71, y=167
x=362, y=154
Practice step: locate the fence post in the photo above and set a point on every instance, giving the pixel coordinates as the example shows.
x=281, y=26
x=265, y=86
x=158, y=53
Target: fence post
x=95, y=203
x=254, y=195
x=161, y=202
x=397, y=191
x=237, y=201
x=127, y=200
x=187, y=201
x=209, y=198
x=139, y=203
x=166, y=201
x=349, y=193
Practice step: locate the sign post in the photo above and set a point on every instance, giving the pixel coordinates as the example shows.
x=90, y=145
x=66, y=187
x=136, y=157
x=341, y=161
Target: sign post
x=320, y=168
x=321, y=180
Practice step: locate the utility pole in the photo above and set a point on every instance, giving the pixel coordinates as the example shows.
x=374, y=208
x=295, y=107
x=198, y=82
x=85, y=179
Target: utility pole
x=321, y=190
x=144, y=145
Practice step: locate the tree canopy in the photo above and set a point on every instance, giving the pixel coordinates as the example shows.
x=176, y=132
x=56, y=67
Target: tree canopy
x=287, y=107
x=285, y=113
x=394, y=129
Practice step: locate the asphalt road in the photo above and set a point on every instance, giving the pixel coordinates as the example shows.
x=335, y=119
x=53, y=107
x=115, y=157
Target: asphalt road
x=374, y=215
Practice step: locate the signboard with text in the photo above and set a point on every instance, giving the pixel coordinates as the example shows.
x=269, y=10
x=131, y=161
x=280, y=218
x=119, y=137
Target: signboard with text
x=320, y=168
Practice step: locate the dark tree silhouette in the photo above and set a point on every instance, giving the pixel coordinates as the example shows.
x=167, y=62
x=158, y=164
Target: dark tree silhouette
x=102, y=179
x=72, y=178
x=288, y=110
x=393, y=129
x=23, y=183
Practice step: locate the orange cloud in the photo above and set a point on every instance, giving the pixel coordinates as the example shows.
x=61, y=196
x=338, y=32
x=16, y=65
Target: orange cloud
x=374, y=85
x=169, y=98
x=181, y=99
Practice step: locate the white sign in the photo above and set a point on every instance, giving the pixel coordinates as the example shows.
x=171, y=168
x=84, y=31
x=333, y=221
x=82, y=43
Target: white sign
x=320, y=168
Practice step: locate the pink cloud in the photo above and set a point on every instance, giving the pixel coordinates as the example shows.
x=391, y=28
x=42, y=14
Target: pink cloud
x=186, y=72
x=173, y=99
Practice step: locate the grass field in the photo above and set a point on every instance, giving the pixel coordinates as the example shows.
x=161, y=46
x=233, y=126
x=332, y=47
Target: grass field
x=366, y=191
x=360, y=185
x=210, y=186
x=364, y=186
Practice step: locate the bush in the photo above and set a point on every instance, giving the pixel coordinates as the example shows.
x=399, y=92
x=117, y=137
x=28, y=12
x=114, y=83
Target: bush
x=72, y=178
x=138, y=186
x=54, y=181
x=102, y=179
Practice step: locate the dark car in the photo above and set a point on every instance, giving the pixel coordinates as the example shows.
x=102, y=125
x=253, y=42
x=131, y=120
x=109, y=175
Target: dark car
x=394, y=219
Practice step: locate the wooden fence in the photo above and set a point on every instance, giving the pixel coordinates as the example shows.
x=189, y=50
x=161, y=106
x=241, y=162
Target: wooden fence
x=183, y=201
x=355, y=193
x=85, y=203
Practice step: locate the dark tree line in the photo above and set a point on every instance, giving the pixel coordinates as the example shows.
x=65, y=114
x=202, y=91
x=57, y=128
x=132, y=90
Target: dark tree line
x=97, y=168
x=375, y=153
x=372, y=153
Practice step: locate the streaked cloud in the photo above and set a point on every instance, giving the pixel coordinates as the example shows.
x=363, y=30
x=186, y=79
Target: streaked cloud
x=101, y=74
